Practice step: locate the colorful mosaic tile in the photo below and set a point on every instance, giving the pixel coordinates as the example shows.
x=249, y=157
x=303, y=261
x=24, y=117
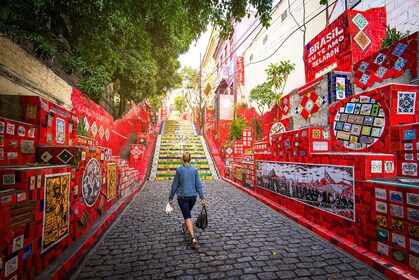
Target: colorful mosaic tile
x=101, y=132
x=399, y=49
x=46, y=156
x=65, y=156
x=388, y=63
x=364, y=79
x=381, y=72
x=360, y=21
x=400, y=63
x=380, y=58
x=86, y=124
x=340, y=87
x=363, y=66
x=107, y=134
x=358, y=125
x=309, y=105
x=94, y=129
x=406, y=102
x=285, y=105
x=362, y=40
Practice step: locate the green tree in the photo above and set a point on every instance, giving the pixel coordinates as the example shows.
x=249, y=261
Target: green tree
x=134, y=42
x=236, y=129
x=270, y=92
x=277, y=76
x=180, y=103
x=189, y=77
x=262, y=95
x=156, y=102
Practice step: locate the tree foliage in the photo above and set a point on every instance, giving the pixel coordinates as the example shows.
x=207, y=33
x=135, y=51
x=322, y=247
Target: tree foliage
x=134, y=42
x=180, y=103
x=156, y=102
x=236, y=129
x=392, y=36
x=189, y=77
x=277, y=76
x=262, y=95
x=270, y=92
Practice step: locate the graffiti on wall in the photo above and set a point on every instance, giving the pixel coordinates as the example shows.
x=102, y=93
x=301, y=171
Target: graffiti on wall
x=92, y=180
x=56, y=205
x=111, y=181
x=326, y=187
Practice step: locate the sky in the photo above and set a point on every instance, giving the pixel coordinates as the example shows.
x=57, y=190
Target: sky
x=191, y=58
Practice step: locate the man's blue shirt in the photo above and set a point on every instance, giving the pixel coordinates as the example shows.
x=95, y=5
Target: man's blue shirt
x=186, y=182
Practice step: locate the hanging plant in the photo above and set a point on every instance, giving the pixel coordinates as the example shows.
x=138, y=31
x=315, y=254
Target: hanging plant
x=236, y=129
x=393, y=36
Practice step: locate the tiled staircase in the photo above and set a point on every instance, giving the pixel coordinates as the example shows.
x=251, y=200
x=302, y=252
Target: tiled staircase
x=179, y=136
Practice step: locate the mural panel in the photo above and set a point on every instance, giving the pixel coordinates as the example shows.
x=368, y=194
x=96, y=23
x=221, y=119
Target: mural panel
x=92, y=180
x=359, y=123
x=56, y=204
x=330, y=188
x=111, y=181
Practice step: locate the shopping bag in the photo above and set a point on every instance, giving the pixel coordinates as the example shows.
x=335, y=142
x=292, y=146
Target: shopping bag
x=202, y=220
x=169, y=209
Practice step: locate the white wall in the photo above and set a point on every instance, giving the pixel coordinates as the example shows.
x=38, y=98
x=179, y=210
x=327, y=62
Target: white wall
x=284, y=41
x=28, y=76
x=401, y=14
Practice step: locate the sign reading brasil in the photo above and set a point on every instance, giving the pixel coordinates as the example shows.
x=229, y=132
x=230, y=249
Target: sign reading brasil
x=327, y=47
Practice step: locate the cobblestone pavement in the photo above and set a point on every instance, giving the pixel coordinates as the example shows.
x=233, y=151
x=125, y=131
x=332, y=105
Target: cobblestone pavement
x=245, y=240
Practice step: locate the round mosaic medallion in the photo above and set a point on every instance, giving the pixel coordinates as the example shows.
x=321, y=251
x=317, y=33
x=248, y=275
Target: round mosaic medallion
x=92, y=179
x=276, y=128
x=359, y=123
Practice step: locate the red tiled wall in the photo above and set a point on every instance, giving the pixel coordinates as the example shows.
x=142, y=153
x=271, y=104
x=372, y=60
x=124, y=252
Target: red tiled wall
x=22, y=180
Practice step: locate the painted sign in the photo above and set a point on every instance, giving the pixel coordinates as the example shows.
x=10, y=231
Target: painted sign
x=330, y=188
x=56, y=213
x=327, y=46
x=226, y=107
x=240, y=69
x=351, y=37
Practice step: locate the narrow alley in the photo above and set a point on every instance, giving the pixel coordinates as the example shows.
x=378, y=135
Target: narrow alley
x=299, y=118
x=244, y=240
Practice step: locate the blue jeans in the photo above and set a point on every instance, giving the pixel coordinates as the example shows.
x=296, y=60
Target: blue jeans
x=186, y=204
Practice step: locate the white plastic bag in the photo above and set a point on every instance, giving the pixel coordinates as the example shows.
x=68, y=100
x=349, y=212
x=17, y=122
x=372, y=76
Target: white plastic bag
x=169, y=209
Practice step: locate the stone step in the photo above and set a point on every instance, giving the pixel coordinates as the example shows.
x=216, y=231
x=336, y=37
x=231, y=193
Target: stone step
x=179, y=135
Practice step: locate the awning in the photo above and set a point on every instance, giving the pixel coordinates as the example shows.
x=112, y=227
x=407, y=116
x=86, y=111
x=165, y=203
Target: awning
x=222, y=85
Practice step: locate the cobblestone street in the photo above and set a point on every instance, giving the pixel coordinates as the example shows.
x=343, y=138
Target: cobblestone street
x=245, y=240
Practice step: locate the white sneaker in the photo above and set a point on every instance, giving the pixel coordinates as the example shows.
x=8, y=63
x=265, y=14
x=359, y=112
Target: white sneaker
x=194, y=242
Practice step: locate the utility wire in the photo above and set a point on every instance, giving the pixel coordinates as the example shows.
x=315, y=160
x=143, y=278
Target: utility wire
x=295, y=30
x=278, y=39
x=287, y=37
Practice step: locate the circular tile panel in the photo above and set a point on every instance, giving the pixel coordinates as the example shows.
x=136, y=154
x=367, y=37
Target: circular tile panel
x=276, y=128
x=359, y=123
